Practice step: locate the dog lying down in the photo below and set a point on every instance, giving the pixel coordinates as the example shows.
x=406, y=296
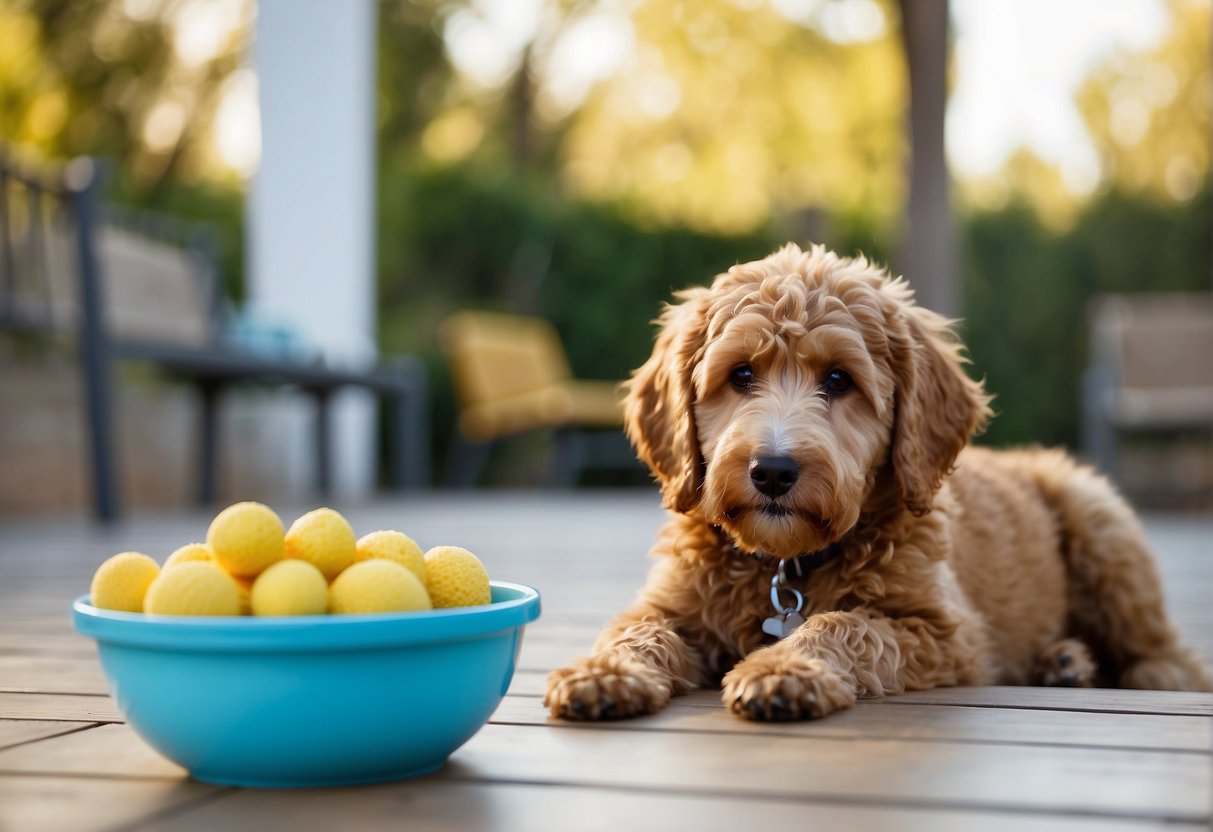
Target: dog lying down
x=832, y=537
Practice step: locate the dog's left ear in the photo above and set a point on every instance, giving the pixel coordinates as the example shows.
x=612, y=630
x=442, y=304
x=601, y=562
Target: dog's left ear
x=938, y=407
x=658, y=409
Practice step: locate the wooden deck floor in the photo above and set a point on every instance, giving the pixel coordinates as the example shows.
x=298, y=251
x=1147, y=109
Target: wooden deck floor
x=958, y=759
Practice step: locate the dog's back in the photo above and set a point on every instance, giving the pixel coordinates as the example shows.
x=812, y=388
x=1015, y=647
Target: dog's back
x=1047, y=550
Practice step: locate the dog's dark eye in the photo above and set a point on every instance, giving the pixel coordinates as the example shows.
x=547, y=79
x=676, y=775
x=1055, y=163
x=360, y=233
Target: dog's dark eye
x=743, y=377
x=836, y=383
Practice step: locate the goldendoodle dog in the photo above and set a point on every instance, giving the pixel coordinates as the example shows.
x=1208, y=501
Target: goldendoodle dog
x=832, y=537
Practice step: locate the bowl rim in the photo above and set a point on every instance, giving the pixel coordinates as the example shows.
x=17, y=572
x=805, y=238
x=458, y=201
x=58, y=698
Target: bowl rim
x=307, y=633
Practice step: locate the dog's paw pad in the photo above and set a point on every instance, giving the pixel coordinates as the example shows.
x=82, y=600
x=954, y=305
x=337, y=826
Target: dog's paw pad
x=763, y=689
x=1065, y=664
x=605, y=687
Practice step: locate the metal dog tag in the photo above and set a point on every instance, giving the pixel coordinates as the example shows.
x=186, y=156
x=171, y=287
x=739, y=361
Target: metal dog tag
x=787, y=617
x=782, y=626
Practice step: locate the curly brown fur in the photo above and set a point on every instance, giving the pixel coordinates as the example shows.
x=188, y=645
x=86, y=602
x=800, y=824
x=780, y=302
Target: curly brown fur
x=958, y=566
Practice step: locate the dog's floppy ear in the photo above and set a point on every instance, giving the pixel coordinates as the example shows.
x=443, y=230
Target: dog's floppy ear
x=658, y=409
x=938, y=407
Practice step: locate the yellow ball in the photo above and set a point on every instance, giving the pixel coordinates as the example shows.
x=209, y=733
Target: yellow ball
x=290, y=587
x=121, y=582
x=394, y=546
x=377, y=585
x=246, y=538
x=324, y=539
x=195, y=588
x=189, y=552
x=456, y=578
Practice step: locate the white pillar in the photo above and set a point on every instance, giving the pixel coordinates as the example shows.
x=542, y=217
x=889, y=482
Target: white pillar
x=311, y=204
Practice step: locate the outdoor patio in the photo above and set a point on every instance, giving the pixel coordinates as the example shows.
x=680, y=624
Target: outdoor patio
x=962, y=759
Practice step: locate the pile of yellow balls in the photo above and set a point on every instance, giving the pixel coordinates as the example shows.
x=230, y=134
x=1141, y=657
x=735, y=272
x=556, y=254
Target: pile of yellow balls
x=251, y=564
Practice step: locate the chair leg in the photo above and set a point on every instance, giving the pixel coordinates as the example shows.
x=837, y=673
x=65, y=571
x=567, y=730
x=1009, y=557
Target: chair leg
x=95, y=357
x=208, y=440
x=1099, y=436
x=568, y=458
x=323, y=443
x=99, y=405
x=466, y=461
x=410, y=441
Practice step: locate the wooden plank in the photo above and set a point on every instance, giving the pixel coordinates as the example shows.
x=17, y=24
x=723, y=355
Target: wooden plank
x=1075, y=699
x=62, y=706
x=51, y=674
x=529, y=683
x=440, y=805
x=546, y=656
x=56, y=804
x=1030, y=779
x=43, y=644
x=105, y=751
x=702, y=712
x=580, y=634
x=18, y=731
x=1112, y=782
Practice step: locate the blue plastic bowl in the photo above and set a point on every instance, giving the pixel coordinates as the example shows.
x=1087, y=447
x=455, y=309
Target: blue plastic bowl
x=321, y=700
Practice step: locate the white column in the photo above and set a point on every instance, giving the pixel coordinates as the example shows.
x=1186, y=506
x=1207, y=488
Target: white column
x=311, y=204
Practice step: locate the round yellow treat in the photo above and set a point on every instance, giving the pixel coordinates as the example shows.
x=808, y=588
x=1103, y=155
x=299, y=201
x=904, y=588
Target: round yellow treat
x=456, y=578
x=394, y=546
x=246, y=538
x=194, y=588
x=121, y=582
x=324, y=539
x=377, y=585
x=290, y=587
x=189, y=552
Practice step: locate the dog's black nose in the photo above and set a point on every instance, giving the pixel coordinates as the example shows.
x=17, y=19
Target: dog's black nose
x=774, y=475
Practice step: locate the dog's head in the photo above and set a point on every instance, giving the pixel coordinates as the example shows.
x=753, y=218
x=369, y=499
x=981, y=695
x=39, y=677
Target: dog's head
x=775, y=400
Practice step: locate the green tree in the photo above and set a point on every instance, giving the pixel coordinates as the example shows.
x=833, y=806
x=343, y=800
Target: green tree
x=731, y=112
x=1149, y=112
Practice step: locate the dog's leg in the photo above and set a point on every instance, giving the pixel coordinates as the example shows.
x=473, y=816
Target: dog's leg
x=637, y=664
x=1116, y=597
x=835, y=657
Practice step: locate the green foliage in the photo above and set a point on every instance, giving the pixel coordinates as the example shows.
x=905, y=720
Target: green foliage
x=458, y=237
x=1026, y=292
x=415, y=79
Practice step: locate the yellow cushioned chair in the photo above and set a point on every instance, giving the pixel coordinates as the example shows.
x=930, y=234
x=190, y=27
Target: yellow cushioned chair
x=511, y=377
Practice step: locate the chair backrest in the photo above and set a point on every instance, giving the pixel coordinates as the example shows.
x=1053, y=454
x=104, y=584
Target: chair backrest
x=1156, y=340
x=494, y=356
x=152, y=288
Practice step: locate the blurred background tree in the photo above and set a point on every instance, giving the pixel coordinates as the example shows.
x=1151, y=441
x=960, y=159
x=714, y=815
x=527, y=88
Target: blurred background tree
x=579, y=159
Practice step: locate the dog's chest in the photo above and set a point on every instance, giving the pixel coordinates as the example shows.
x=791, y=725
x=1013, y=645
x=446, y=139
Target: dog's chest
x=748, y=604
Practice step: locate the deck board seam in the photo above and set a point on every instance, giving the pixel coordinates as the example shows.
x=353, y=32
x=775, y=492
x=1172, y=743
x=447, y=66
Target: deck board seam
x=893, y=701
x=56, y=735
x=1198, y=752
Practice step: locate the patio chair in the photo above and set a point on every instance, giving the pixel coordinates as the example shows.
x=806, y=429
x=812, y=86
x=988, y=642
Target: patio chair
x=512, y=377
x=1150, y=370
x=149, y=294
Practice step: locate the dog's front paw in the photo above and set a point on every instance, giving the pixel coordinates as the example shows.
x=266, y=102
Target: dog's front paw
x=770, y=685
x=1065, y=664
x=606, y=687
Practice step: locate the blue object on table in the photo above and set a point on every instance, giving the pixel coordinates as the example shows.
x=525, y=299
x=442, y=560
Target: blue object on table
x=323, y=700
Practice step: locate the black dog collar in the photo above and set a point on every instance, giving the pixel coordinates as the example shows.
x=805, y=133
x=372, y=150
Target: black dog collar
x=801, y=565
